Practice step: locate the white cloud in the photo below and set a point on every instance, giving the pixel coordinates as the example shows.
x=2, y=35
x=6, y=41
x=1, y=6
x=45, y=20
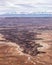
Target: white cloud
x=26, y=6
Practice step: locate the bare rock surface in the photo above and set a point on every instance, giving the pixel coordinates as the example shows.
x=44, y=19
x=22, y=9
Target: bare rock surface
x=11, y=55
x=25, y=40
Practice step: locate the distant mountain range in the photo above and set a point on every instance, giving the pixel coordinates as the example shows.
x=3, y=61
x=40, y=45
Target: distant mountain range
x=29, y=15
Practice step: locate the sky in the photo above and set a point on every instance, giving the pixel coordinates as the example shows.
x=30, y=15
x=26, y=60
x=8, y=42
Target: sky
x=25, y=6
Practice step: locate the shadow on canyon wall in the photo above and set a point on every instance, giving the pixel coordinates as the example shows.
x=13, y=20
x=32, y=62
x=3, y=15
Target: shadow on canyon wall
x=25, y=39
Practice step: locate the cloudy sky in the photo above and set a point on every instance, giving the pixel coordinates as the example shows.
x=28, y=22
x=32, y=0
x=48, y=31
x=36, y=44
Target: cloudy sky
x=25, y=6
